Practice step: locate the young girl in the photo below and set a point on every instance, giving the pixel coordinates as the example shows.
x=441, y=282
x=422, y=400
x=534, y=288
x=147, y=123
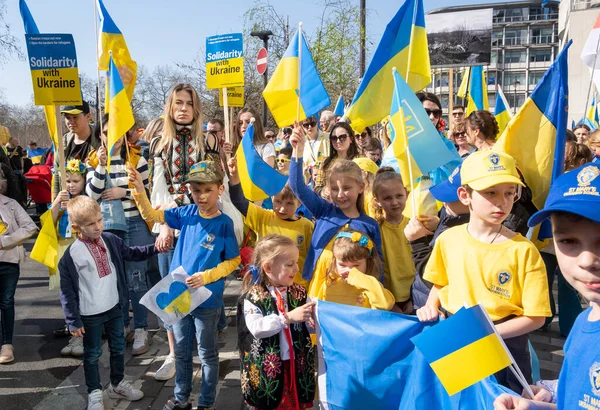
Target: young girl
x=353, y=272
x=369, y=169
x=593, y=143
x=278, y=366
x=346, y=188
x=398, y=267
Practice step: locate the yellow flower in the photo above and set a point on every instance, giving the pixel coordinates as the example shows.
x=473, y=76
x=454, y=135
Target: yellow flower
x=370, y=245
x=254, y=376
x=355, y=236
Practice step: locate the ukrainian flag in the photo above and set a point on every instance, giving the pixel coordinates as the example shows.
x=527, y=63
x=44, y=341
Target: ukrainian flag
x=259, y=180
x=111, y=39
x=404, y=37
x=120, y=118
x=471, y=349
x=536, y=136
x=473, y=87
x=49, y=110
x=502, y=110
x=45, y=249
x=592, y=114
x=339, y=107
x=35, y=155
x=285, y=87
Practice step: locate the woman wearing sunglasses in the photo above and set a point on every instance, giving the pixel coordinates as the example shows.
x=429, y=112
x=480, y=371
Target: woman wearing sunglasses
x=316, y=147
x=459, y=137
x=342, y=145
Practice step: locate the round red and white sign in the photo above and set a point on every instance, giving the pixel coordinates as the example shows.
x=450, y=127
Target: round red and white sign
x=261, y=61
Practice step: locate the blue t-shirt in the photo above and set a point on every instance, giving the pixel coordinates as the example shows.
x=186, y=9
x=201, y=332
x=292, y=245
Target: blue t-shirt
x=202, y=245
x=579, y=380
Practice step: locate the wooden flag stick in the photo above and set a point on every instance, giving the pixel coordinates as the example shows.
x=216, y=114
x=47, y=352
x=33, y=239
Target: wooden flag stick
x=226, y=118
x=60, y=150
x=98, y=104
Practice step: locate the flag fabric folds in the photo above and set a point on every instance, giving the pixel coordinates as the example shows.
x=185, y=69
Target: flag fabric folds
x=120, y=118
x=111, y=39
x=589, y=51
x=367, y=361
x=473, y=87
x=259, y=180
x=502, y=110
x=290, y=82
x=592, y=114
x=35, y=155
x=536, y=135
x=464, y=83
x=404, y=46
x=45, y=249
x=339, y=107
x=471, y=351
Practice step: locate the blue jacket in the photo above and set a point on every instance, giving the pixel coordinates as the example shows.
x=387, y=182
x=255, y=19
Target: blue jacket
x=329, y=220
x=69, y=278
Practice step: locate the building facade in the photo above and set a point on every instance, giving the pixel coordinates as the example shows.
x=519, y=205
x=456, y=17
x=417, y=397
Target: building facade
x=524, y=45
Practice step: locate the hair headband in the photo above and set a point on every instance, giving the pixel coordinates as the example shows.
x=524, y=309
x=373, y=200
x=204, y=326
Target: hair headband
x=75, y=166
x=359, y=238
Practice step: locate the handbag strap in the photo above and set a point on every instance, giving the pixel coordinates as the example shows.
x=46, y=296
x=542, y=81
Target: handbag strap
x=245, y=243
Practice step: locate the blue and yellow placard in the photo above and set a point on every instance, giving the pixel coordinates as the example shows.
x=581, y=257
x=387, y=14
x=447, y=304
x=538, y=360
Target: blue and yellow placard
x=225, y=61
x=54, y=73
x=235, y=97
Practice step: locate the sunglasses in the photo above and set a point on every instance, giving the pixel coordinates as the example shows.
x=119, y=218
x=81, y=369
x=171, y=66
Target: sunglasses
x=458, y=114
x=458, y=134
x=363, y=135
x=309, y=124
x=436, y=113
x=281, y=160
x=339, y=138
x=269, y=136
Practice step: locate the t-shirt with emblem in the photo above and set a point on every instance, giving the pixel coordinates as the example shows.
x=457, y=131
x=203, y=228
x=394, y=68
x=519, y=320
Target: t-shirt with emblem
x=579, y=380
x=203, y=244
x=265, y=222
x=507, y=278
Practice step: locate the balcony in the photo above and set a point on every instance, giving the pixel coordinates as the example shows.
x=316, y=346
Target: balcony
x=544, y=39
x=521, y=19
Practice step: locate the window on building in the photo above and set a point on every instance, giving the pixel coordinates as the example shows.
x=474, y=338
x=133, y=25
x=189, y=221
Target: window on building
x=515, y=36
x=444, y=100
x=512, y=15
x=535, y=77
x=542, y=13
x=543, y=35
x=494, y=57
x=514, y=56
x=491, y=77
x=497, y=38
x=540, y=55
x=510, y=77
x=498, y=16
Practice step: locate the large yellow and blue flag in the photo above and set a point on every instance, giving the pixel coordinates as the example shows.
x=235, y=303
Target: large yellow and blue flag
x=502, y=111
x=471, y=350
x=120, y=115
x=295, y=82
x=259, y=180
x=45, y=249
x=111, y=39
x=404, y=46
x=536, y=135
x=473, y=87
x=49, y=111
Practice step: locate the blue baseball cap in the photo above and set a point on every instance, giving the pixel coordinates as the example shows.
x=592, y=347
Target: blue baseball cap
x=447, y=191
x=577, y=192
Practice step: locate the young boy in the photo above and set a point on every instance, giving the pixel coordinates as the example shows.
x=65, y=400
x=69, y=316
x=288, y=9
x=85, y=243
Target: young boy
x=282, y=220
x=484, y=262
x=283, y=160
x=572, y=206
x=94, y=296
x=207, y=249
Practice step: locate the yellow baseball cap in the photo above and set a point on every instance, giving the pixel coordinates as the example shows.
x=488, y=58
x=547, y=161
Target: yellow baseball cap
x=366, y=164
x=483, y=169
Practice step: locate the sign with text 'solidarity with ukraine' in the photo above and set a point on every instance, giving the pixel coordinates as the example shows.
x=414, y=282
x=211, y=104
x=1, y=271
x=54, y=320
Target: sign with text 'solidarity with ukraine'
x=53, y=63
x=225, y=61
x=235, y=97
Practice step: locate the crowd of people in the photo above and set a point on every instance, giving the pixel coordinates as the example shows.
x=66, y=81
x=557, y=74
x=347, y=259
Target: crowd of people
x=337, y=231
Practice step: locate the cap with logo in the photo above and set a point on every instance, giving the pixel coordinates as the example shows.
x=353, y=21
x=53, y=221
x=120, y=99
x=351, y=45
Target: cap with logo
x=205, y=172
x=366, y=164
x=447, y=191
x=484, y=169
x=576, y=192
x=76, y=109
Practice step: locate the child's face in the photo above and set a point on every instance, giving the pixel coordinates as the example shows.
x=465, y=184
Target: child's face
x=595, y=148
x=91, y=226
x=206, y=196
x=456, y=208
x=391, y=197
x=285, y=208
x=283, y=163
x=577, y=245
x=344, y=268
x=344, y=191
x=284, y=268
x=491, y=205
x=374, y=156
x=75, y=184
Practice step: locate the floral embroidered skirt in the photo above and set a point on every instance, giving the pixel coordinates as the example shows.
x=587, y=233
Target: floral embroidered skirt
x=289, y=399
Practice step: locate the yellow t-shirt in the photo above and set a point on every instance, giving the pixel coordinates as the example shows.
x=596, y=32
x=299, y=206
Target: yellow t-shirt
x=320, y=274
x=507, y=278
x=265, y=222
x=369, y=208
x=398, y=265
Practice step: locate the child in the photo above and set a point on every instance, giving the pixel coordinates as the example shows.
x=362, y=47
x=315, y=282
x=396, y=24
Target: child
x=283, y=160
x=593, y=143
x=398, y=267
x=270, y=316
x=282, y=220
x=484, y=262
x=207, y=249
x=94, y=296
x=373, y=150
x=352, y=277
x=369, y=169
x=572, y=206
x=347, y=194
x=576, y=155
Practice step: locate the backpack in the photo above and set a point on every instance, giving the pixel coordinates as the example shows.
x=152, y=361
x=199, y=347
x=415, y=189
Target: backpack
x=16, y=185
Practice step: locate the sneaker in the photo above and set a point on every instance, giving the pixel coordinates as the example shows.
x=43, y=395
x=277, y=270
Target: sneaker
x=141, y=342
x=7, y=354
x=62, y=331
x=167, y=370
x=124, y=390
x=95, y=401
x=173, y=404
x=77, y=347
x=128, y=334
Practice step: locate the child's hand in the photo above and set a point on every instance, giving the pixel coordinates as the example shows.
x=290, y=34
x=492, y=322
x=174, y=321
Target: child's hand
x=297, y=138
x=63, y=199
x=429, y=221
x=428, y=313
x=102, y=156
x=234, y=177
x=227, y=148
x=135, y=179
x=415, y=230
x=302, y=313
x=195, y=281
x=79, y=332
x=164, y=240
x=510, y=402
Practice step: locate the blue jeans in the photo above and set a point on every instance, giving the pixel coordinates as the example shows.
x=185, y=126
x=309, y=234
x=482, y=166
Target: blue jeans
x=139, y=273
x=9, y=276
x=164, y=266
x=112, y=322
x=201, y=323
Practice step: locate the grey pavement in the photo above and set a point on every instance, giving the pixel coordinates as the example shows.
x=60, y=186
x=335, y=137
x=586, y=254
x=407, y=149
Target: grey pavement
x=41, y=379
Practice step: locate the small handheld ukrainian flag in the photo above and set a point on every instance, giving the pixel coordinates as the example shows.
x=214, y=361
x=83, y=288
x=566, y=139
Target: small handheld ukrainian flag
x=463, y=349
x=258, y=179
x=295, y=91
x=502, y=111
x=339, y=107
x=474, y=88
x=120, y=118
x=592, y=114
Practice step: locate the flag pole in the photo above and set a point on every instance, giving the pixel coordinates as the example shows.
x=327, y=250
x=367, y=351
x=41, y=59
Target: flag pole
x=299, y=76
x=98, y=113
x=60, y=150
x=226, y=116
x=587, y=100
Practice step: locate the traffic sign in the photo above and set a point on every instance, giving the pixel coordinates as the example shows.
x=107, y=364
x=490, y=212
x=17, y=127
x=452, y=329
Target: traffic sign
x=261, y=61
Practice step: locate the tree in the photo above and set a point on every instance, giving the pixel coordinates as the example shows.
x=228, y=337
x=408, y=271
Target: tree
x=9, y=45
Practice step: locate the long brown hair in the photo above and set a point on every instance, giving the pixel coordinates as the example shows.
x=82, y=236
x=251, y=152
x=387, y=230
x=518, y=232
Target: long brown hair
x=384, y=175
x=266, y=251
x=346, y=250
x=351, y=170
x=576, y=155
x=352, y=149
x=259, y=132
